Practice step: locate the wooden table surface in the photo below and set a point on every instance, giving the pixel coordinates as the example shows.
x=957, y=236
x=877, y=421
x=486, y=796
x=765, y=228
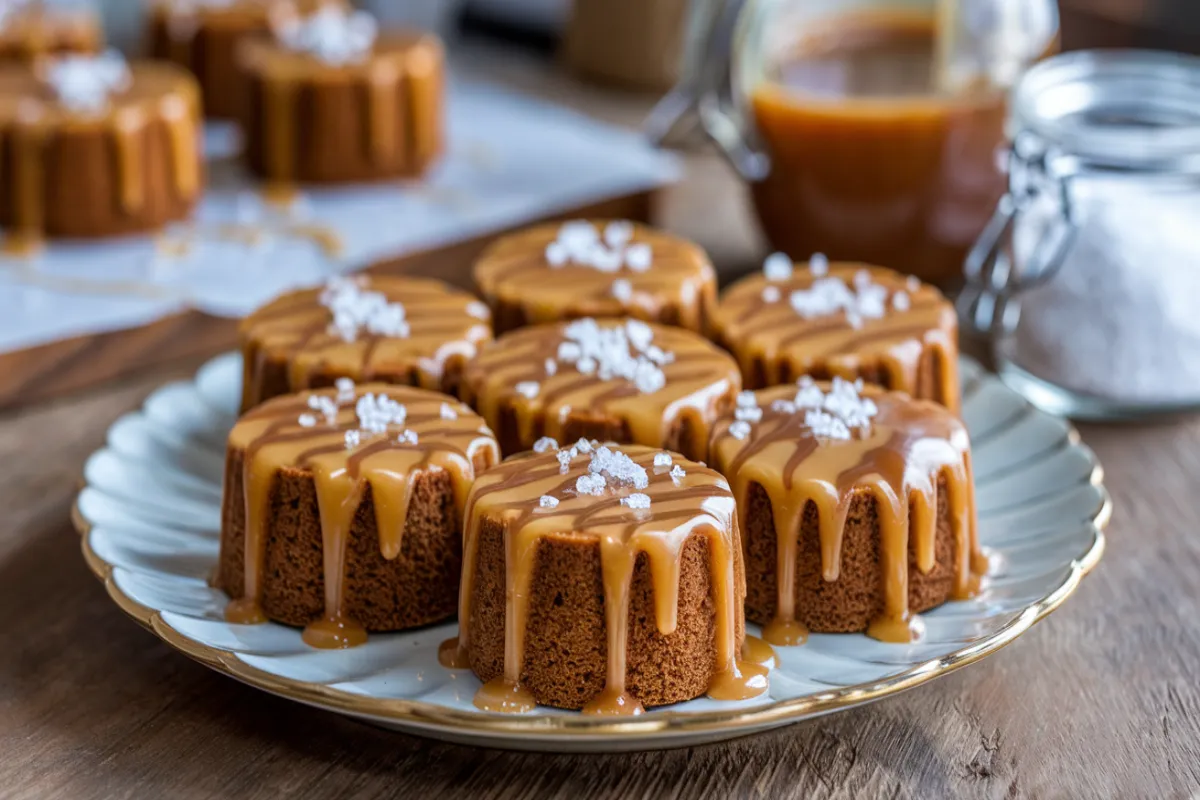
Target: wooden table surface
x=1100, y=700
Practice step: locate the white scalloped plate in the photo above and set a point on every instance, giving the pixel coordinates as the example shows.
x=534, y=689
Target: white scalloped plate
x=149, y=514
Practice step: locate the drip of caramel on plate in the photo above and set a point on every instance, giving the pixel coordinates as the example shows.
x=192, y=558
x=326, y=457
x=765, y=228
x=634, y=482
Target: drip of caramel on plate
x=443, y=323
x=897, y=461
x=31, y=117
x=698, y=502
x=514, y=271
x=774, y=344
x=699, y=378
x=293, y=432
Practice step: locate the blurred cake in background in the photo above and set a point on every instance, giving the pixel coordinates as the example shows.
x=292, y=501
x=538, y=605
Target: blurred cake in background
x=92, y=146
x=333, y=100
x=203, y=36
x=29, y=30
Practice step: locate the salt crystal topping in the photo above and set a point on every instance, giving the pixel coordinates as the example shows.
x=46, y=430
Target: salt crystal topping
x=352, y=439
x=826, y=425
x=592, y=484
x=913, y=283
x=901, y=301
x=306, y=420
x=478, y=310
x=583, y=446
x=407, y=437
x=546, y=501
x=677, y=473
x=376, y=412
x=663, y=460
x=545, y=444
x=332, y=34
x=784, y=406
x=344, y=385
x=622, y=290
x=326, y=405
x=355, y=310
x=771, y=294
x=835, y=414
x=622, y=351
x=551, y=367
x=637, y=501
x=828, y=296
x=564, y=459
x=528, y=389
x=447, y=413
x=818, y=265
x=739, y=429
x=746, y=399
x=748, y=413
x=83, y=84
x=777, y=267
x=581, y=244
x=618, y=467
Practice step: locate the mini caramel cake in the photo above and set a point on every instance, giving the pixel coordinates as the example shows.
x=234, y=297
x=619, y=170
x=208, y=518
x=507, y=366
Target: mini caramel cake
x=857, y=509
x=92, y=147
x=397, y=330
x=849, y=320
x=203, y=37
x=31, y=30
x=595, y=269
x=343, y=509
x=331, y=102
x=620, y=380
x=607, y=578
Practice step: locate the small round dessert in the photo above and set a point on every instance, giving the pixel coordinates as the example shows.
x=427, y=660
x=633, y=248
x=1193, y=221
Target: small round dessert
x=92, y=147
x=343, y=510
x=32, y=30
x=857, y=509
x=620, y=380
x=410, y=331
x=596, y=269
x=203, y=37
x=330, y=102
x=607, y=578
x=849, y=320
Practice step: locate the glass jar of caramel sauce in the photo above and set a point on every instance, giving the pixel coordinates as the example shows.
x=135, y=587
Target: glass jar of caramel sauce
x=869, y=130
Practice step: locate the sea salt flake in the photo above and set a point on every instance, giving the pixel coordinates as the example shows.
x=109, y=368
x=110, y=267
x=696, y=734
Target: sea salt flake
x=618, y=233
x=545, y=444
x=376, y=412
x=663, y=460
x=352, y=439
x=677, y=474
x=355, y=310
x=783, y=406
x=771, y=294
x=818, y=265
x=478, y=310
x=583, y=446
x=826, y=425
x=739, y=429
x=306, y=420
x=564, y=459
x=901, y=301
x=556, y=254
x=637, y=501
x=622, y=290
x=447, y=413
x=777, y=267
x=407, y=437
x=546, y=501
x=528, y=389
x=331, y=34
x=748, y=413
x=639, y=257
x=83, y=84
x=551, y=367
x=746, y=399
x=590, y=484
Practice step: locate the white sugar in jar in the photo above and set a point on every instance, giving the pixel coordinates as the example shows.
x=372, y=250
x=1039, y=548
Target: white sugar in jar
x=1087, y=280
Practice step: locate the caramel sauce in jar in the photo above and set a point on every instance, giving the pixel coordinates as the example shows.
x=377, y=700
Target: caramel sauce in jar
x=869, y=160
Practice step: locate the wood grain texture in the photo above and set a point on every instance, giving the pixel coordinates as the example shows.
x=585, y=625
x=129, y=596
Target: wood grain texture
x=1100, y=700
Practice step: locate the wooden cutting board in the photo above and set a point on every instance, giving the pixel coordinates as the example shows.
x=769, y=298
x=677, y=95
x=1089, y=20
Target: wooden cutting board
x=51, y=370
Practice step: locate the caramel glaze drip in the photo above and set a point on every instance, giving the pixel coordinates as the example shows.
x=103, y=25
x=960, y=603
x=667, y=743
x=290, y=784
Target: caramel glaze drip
x=911, y=444
x=401, y=80
x=697, y=381
x=30, y=117
x=272, y=439
x=772, y=337
x=37, y=31
x=700, y=503
x=295, y=327
x=514, y=271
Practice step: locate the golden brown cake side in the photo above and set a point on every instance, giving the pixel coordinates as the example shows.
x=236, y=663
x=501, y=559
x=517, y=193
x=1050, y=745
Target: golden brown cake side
x=31, y=31
x=593, y=268
x=128, y=165
x=628, y=381
x=410, y=331
x=343, y=509
x=843, y=319
x=373, y=117
x=607, y=578
x=858, y=509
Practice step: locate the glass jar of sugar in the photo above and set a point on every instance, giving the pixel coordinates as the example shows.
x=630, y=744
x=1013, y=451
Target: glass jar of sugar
x=1087, y=278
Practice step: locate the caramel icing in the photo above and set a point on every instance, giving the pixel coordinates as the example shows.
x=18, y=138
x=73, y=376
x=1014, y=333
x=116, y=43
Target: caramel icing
x=696, y=501
x=31, y=116
x=33, y=30
x=514, y=271
x=443, y=324
x=769, y=335
x=402, y=83
x=897, y=459
x=323, y=433
x=699, y=379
